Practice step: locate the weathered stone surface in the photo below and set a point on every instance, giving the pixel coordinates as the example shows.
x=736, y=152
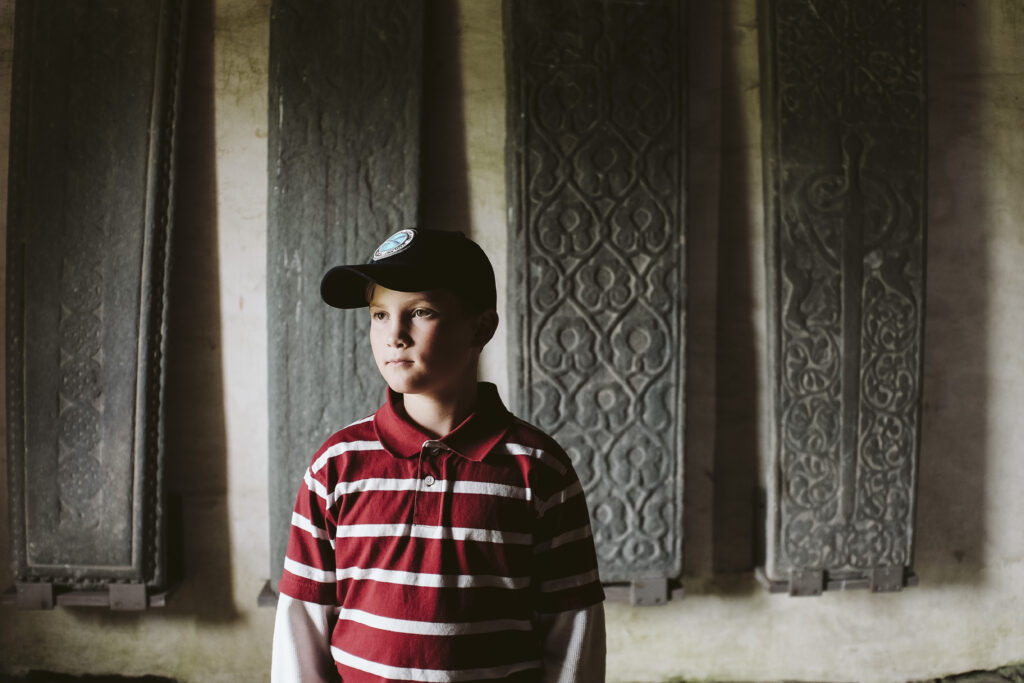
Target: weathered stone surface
x=844, y=136
x=596, y=102
x=93, y=113
x=344, y=171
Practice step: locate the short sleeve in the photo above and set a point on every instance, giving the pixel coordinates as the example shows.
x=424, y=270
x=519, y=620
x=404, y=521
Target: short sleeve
x=565, y=575
x=309, y=570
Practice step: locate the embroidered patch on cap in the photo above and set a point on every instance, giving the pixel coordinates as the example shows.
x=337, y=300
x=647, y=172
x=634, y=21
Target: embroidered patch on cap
x=395, y=244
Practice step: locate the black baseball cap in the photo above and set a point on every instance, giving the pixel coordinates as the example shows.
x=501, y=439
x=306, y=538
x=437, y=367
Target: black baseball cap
x=416, y=260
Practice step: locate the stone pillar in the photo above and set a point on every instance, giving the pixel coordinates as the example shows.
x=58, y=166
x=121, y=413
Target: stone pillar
x=596, y=240
x=844, y=150
x=344, y=150
x=93, y=115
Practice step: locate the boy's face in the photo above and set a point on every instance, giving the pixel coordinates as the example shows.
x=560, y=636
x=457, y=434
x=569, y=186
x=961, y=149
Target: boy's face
x=424, y=342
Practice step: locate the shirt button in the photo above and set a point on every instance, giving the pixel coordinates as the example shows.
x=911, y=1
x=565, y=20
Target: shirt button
x=429, y=480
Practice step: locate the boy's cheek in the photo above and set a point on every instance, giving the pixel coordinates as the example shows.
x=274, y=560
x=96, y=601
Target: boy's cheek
x=376, y=346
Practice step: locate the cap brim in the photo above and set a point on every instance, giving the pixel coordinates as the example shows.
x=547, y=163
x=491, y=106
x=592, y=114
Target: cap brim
x=345, y=286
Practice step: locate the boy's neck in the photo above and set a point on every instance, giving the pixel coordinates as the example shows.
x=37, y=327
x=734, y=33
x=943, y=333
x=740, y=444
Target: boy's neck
x=440, y=414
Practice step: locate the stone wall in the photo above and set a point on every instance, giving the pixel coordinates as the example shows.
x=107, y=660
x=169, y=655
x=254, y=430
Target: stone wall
x=963, y=616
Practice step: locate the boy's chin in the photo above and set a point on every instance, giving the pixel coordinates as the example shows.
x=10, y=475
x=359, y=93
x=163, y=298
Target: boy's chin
x=404, y=386
x=411, y=385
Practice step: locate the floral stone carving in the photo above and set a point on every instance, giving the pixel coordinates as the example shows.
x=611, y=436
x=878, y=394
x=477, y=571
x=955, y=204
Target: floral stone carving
x=597, y=256
x=844, y=108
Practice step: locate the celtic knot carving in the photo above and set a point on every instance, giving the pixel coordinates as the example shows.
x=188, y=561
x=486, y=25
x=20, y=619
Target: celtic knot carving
x=90, y=221
x=600, y=258
x=850, y=60
x=81, y=394
x=846, y=178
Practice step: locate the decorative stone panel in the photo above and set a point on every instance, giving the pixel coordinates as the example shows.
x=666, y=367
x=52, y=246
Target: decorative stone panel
x=344, y=149
x=93, y=116
x=596, y=248
x=844, y=153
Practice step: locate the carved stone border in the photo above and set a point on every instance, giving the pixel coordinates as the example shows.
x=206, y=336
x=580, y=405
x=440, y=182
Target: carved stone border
x=596, y=240
x=94, y=107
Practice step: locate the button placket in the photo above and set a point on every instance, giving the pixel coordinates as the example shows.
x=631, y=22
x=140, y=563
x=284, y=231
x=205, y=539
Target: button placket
x=428, y=477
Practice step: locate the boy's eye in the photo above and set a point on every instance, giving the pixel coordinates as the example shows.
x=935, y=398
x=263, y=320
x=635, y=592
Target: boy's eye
x=378, y=315
x=422, y=313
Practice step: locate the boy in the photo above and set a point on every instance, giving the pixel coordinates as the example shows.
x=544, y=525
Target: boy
x=440, y=539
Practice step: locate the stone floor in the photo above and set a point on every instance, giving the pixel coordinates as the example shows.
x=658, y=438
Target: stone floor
x=50, y=677
x=1007, y=674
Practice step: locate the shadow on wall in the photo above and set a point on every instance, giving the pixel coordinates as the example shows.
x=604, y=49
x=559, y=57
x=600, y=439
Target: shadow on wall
x=723, y=382
x=951, y=528
x=737, y=441
x=702, y=190
x=722, y=371
x=195, y=435
x=444, y=178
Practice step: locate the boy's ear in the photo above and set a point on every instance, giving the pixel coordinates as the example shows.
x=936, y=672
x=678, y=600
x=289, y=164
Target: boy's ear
x=486, y=324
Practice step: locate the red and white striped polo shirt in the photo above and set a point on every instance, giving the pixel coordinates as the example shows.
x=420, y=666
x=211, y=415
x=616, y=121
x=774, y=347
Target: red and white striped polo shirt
x=441, y=553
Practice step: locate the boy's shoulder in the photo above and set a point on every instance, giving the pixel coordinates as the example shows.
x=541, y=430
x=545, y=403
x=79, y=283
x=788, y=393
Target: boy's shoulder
x=361, y=429
x=523, y=438
x=523, y=431
x=357, y=436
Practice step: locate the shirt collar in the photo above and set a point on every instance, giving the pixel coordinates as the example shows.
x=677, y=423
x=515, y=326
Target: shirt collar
x=473, y=439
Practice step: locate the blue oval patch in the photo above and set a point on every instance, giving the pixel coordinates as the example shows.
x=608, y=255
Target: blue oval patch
x=395, y=244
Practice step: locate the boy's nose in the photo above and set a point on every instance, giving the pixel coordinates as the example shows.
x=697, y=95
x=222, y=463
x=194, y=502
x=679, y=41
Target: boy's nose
x=398, y=338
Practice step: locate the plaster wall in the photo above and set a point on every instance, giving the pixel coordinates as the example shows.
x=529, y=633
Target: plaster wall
x=966, y=612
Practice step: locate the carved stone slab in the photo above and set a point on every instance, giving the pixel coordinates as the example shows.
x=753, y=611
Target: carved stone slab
x=596, y=121
x=93, y=116
x=344, y=172
x=844, y=150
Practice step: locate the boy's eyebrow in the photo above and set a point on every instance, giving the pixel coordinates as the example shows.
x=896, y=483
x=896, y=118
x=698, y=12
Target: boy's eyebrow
x=418, y=301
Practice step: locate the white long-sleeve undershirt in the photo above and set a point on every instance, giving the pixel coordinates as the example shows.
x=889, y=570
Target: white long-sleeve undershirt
x=573, y=644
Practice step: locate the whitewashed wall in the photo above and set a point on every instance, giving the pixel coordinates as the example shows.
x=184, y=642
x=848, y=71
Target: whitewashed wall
x=966, y=612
